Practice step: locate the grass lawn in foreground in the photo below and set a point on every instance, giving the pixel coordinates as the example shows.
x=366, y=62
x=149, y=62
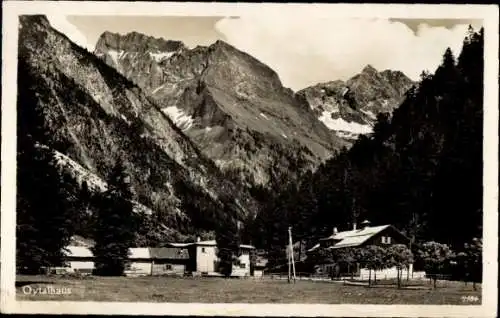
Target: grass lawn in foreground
x=220, y=290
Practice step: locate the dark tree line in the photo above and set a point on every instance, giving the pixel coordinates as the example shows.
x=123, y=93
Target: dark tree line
x=420, y=170
x=45, y=211
x=116, y=225
x=228, y=244
x=51, y=208
x=45, y=200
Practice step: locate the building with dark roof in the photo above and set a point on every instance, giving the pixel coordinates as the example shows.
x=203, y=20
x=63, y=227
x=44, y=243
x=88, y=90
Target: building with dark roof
x=142, y=260
x=173, y=259
x=383, y=235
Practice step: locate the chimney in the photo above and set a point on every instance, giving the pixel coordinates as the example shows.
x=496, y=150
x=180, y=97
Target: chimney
x=365, y=224
x=335, y=231
x=354, y=226
x=198, y=239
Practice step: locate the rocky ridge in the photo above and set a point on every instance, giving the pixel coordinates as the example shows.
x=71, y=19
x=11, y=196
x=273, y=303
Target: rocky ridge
x=350, y=108
x=231, y=105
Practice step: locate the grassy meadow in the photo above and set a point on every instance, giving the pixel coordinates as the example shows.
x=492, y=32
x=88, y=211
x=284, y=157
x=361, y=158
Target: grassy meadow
x=220, y=290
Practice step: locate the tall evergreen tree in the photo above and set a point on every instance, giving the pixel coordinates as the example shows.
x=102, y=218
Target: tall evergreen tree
x=116, y=224
x=44, y=214
x=228, y=244
x=44, y=223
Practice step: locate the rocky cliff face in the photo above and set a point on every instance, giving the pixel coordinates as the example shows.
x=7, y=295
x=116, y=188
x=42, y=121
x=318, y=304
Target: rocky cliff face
x=231, y=105
x=90, y=115
x=136, y=55
x=350, y=108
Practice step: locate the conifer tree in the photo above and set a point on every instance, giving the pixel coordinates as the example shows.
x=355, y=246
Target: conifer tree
x=116, y=224
x=228, y=245
x=44, y=223
x=44, y=213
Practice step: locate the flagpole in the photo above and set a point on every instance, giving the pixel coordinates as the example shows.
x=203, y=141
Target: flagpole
x=289, y=263
x=291, y=251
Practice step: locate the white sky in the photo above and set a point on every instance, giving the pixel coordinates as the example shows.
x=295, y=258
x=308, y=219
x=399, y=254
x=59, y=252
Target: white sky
x=303, y=52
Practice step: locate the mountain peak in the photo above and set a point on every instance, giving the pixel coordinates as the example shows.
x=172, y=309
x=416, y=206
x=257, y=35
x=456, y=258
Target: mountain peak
x=36, y=18
x=350, y=108
x=369, y=69
x=223, y=45
x=220, y=42
x=135, y=41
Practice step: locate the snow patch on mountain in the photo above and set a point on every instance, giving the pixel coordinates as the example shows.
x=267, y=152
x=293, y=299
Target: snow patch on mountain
x=369, y=113
x=264, y=116
x=179, y=117
x=93, y=181
x=345, y=91
x=161, y=56
x=341, y=124
x=115, y=55
x=79, y=172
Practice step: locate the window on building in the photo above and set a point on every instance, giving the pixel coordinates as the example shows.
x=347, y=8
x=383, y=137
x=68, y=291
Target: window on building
x=168, y=267
x=203, y=250
x=386, y=240
x=243, y=265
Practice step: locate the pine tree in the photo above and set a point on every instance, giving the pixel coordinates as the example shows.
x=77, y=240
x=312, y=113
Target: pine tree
x=279, y=221
x=228, y=244
x=116, y=224
x=44, y=220
x=44, y=214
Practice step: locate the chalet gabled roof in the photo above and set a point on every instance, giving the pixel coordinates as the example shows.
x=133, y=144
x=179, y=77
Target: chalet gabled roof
x=135, y=252
x=353, y=238
x=139, y=253
x=168, y=253
x=367, y=231
x=179, y=244
x=171, y=251
x=78, y=251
